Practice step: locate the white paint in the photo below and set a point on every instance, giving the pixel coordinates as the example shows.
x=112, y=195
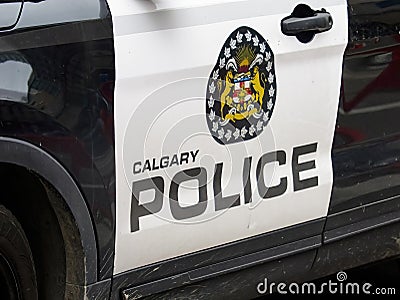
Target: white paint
x=130, y=7
x=308, y=79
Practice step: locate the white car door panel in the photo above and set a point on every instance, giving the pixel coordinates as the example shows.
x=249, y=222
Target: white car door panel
x=224, y=125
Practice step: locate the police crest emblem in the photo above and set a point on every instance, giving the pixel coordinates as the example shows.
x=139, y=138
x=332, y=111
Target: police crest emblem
x=241, y=90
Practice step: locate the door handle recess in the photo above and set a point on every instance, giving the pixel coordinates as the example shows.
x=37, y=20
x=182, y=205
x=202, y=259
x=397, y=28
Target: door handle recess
x=304, y=23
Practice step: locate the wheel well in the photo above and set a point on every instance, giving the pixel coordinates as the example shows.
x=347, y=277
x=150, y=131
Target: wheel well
x=48, y=223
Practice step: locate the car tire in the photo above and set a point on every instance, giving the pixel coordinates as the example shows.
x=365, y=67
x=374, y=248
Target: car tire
x=17, y=269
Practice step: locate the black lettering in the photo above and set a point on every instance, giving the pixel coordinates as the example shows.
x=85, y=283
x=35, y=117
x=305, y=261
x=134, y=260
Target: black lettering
x=164, y=162
x=138, y=210
x=270, y=192
x=185, y=157
x=222, y=202
x=155, y=167
x=247, y=180
x=300, y=167
x=194, y=154
x=135, y=169
x=174, y=160
x=146, y=166
x=181, y=213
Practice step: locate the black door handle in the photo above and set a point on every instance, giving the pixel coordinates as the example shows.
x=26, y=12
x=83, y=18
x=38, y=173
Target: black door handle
x=304, y=23
x=320, y=22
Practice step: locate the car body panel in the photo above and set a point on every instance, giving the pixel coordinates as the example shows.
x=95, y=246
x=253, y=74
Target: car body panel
x=58, y=64
x=56, y=83
x=367, y=139
x=162, y=82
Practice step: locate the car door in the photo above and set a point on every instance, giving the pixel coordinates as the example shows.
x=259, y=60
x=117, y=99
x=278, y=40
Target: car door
x=224, y=118
x=365, y=155
x=10, y=11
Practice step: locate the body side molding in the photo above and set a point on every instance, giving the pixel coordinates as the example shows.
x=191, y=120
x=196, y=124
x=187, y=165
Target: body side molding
x=219, y=261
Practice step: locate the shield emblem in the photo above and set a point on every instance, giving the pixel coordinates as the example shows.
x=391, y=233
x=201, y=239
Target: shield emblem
x=241, y=90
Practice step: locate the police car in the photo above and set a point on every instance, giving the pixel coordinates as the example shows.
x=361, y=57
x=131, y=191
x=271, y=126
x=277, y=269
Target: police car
x=187, y=148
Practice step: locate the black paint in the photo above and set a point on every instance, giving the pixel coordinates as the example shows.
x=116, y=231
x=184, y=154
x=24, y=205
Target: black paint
x=222, y=202
x=366, y=147
x=270, y=191
x=297, y=168
x=182, y=213
x=60, y=62
x=157, y=185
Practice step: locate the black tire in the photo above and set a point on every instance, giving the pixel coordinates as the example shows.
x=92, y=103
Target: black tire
x=17, y=270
